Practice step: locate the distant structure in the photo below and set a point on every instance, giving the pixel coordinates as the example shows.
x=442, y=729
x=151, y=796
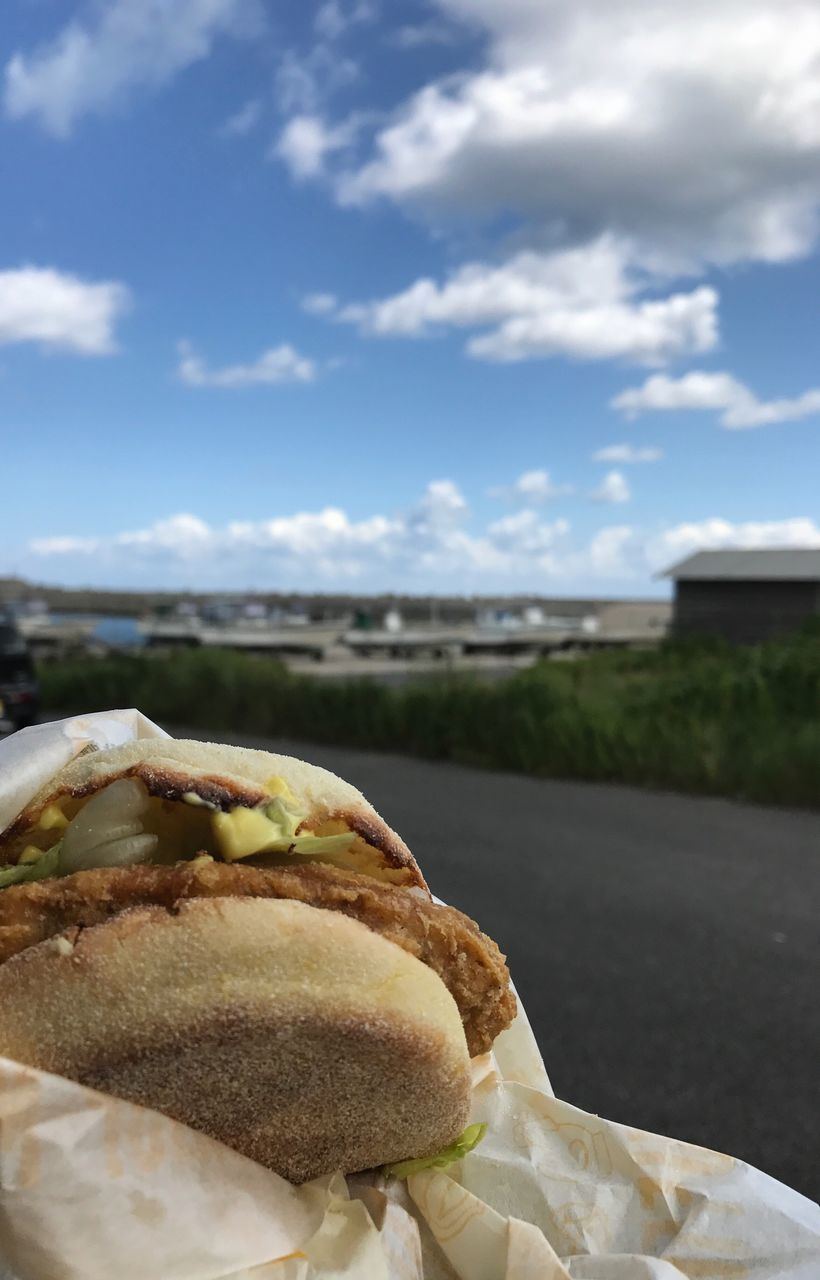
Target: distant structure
x=745, y=596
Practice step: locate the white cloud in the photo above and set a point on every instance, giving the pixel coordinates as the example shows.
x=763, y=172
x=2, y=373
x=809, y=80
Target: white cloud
x=416, y=35
x=184, y=536
x=39, y=304
x=428, y=546
x=276, y=365
x=693, y=130
x=738, y=406
x=626, y=552
x=306, y=141
x=64, y=546
x=532, y=487
x=716, y=533
x=578, y=302
x=613, y=488
x=304, y=82
x=319, y=304
x=297, y=83
x=608, y=553
x=443, y=504
x=627, y=453
x=645, y=332
x=333, y=19
x=329, y=22
x=242, y=121
x=643, y=142
x=525, y=533
x=128, y=44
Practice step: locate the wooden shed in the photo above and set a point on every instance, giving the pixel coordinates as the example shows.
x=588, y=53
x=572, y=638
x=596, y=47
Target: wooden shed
x=746, y=596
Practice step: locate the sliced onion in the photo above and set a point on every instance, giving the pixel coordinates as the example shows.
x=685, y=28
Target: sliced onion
x=108, y=831
x=121, y=853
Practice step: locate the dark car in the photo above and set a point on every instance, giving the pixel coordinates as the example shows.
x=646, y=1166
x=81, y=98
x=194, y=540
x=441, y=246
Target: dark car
x=19, y=695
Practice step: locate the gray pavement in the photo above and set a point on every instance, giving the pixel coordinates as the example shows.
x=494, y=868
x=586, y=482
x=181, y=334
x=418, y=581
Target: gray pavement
x=666, y=948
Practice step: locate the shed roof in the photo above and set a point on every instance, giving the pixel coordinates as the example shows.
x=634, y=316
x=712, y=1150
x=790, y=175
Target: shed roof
x=763, y=565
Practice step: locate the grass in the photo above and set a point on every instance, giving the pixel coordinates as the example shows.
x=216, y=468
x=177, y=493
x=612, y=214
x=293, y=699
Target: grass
x=698, y=717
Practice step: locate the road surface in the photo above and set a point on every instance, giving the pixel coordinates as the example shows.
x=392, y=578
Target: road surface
x=666, y=948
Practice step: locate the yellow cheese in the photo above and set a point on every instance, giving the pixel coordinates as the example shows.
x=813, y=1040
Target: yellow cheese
x=278, y=787
x=242, y=832
x=52, y=818
x=30, y=854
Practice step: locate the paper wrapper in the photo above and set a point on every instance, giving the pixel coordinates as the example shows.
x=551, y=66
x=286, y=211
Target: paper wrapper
x=93, y=1188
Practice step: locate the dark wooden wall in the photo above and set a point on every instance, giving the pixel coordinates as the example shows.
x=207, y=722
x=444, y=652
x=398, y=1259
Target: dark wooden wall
x=743, y=611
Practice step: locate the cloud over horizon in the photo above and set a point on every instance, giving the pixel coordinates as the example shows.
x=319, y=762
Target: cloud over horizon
x=429, y=546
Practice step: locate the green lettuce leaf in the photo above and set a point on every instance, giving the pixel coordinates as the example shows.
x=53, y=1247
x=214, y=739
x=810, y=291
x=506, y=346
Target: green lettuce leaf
x=44, y=867
x=323, y=844
x=457, y=1150
x=287, y=821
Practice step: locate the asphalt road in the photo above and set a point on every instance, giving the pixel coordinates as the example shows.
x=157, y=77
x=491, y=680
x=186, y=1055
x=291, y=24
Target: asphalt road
x=666, y=948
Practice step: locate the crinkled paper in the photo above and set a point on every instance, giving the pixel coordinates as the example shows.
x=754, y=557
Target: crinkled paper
x=93, y=1188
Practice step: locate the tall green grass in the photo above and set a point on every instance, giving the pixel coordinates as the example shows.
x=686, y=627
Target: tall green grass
x=697, y=717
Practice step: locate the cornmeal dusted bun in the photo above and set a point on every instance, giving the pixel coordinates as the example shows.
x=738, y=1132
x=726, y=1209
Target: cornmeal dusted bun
x=223, y=777
x=296, y=1035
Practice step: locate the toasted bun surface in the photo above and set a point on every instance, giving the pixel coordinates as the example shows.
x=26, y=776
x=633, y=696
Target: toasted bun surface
x=224, y=776
x=295, y=1035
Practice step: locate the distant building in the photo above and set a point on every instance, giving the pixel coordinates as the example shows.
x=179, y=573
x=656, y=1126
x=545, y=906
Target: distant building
x=497, y=617
x=745, y=596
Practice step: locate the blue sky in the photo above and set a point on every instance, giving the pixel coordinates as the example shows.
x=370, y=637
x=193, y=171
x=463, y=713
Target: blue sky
x=456, y=296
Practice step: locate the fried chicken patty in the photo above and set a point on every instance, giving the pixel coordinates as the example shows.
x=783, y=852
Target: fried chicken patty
x=468, y=962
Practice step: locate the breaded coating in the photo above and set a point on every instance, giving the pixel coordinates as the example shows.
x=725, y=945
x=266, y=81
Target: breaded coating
x=467, y=961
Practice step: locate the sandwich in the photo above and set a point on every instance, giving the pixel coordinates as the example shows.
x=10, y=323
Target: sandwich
x=237, y=939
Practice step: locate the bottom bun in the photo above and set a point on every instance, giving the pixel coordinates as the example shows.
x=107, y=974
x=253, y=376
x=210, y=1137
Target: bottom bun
x=294, y=1035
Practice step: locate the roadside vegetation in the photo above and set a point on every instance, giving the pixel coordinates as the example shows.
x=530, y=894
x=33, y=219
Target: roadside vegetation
x=699, y=717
